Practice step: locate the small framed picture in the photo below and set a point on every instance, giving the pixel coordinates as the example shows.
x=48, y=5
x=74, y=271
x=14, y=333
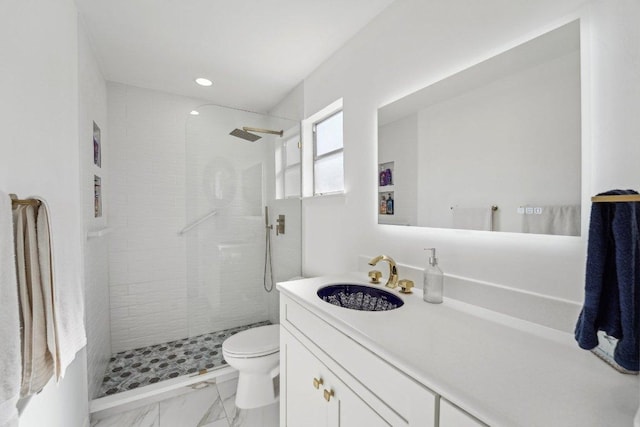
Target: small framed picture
x=97, y=196
x=97, y=155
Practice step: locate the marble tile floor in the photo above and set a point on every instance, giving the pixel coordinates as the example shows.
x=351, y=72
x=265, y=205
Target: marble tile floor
x=131, y=369
x=210, y=406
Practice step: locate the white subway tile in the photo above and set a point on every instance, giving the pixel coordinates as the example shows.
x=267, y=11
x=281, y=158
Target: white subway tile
x=118, y=272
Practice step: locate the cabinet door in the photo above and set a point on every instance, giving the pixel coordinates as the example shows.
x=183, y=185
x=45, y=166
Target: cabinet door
x=303, y=404
x=452, y=416
x=348, y=409
x=332, y=404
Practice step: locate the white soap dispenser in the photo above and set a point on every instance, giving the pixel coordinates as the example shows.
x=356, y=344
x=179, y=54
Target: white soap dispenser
x=433, y=279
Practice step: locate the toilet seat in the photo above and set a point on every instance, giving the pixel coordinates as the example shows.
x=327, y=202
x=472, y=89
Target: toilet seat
x=254, y=342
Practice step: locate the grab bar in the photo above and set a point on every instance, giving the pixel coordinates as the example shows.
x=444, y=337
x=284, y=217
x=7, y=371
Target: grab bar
x=197, y=222
x=98, y=233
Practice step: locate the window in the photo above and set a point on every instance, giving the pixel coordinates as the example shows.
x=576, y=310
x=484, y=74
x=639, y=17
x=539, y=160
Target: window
x=323, y=170
x=287, y=163
x=328, y=175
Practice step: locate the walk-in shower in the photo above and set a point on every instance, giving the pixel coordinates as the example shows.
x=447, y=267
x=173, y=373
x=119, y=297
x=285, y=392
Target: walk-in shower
x=226, y=254
x=228, y=195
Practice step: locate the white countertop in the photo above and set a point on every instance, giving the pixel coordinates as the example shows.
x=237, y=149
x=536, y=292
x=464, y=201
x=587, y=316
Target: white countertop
x=505, y=371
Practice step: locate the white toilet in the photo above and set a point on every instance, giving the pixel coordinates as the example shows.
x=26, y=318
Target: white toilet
x=255, y=353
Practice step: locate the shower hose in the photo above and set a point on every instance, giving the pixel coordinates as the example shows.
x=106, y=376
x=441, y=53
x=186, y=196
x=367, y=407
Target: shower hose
x=267, y=260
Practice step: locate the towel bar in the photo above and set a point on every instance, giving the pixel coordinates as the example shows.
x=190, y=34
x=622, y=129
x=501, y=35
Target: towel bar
x=617, y=199
x=98, y=233
x=197, y=222
x=15, y=201
x=493, y=207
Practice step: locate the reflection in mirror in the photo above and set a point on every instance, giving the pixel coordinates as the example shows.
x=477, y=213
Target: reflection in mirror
x=495, y=147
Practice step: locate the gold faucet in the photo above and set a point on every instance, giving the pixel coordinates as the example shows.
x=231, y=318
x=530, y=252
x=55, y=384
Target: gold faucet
x=392, y=282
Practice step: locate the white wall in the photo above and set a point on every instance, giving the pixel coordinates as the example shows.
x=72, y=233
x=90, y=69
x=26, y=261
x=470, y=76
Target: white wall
x=414, y=43
x=39, y=155
x=92, y=101
x=615, y=85
x=292, y=106
x=64, y=404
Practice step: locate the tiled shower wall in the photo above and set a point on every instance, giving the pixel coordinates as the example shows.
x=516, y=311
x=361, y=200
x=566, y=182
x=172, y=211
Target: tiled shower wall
x=147, y=262
x=285, y=248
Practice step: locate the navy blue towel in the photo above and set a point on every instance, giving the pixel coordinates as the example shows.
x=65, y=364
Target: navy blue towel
x=612, y=285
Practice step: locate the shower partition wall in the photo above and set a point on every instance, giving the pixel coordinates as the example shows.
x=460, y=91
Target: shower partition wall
x=229, y=181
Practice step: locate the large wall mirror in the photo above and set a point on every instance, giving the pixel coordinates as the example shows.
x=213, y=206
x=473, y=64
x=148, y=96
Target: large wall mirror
x=495, y=147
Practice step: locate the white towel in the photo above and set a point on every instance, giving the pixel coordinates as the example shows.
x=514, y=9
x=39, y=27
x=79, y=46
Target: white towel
x=556, y=220
x=9, y=320
x=37, y=360
x=472, y=218
x=68, y=304
x=45, y=258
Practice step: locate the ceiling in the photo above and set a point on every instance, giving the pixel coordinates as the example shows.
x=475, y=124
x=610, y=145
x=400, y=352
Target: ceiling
x=254, y=51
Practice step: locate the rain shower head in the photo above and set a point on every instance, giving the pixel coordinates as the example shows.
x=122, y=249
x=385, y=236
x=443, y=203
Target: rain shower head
x=245, y=133
x=239, y=133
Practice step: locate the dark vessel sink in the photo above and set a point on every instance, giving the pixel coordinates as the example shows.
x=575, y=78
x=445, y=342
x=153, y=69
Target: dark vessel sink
x=359, y=297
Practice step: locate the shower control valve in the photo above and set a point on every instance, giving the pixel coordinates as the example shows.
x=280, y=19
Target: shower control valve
x=280, y=225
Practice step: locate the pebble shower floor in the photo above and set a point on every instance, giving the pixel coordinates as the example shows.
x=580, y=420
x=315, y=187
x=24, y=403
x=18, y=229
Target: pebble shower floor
x=131, y=369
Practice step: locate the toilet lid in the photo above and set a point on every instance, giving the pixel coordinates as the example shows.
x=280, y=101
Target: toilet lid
x=258, y=341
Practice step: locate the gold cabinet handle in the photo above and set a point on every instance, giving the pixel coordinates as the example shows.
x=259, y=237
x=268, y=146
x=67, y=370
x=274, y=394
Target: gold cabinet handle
x=328, y=394
x=317, y=382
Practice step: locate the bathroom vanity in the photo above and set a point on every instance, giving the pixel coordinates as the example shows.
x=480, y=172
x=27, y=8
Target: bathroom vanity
x=447, y=365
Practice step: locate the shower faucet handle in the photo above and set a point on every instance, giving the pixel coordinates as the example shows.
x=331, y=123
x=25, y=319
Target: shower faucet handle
x=280, y=225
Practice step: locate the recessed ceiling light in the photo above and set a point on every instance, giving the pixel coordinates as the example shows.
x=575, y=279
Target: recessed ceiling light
x=194, y=113
x=203, y=82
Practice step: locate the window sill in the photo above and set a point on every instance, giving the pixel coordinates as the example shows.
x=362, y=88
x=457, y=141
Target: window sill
x=324, y=195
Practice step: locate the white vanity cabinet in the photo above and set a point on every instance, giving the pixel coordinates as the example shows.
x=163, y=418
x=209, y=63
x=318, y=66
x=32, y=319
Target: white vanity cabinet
x=315, y=397
x=444, y=365
x=355, y=387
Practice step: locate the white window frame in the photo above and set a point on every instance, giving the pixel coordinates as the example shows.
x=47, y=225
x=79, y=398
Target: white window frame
x=280, y=180
x=309, y=148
